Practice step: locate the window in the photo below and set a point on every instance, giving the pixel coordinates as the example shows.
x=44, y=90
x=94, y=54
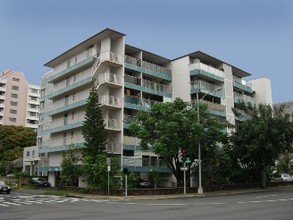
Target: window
x=27, y=153
x=13, y=103
x=12, y=119
x=15, y=79
x=34, y=90
x=71, y=134
x=68, y=63
x=13, y=95
x=13, y=111
x=33, y=106
x=15, y=88
x=33, y=114
x=72, y=115
x=73, y=96
x=33, y=153
x=128, y=153
x=33, y=98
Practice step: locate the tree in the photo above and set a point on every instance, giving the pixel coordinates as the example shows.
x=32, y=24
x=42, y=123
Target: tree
x=71, y=167
x=260, y=137
x=93, y=130
x=167, y=127
x=12, y=141
x=95, y=136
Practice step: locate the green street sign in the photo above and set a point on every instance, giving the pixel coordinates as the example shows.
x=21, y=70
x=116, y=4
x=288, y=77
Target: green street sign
x=187, y=160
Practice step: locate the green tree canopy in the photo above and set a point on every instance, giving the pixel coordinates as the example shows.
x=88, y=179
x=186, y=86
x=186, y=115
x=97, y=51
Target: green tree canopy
x=12, y=141
x=71, y=167
x=167, y=127
x=260, y=137
x=93, y=130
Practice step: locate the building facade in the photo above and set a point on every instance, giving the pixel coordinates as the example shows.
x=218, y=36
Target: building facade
x=129, y=79
x=19, y=101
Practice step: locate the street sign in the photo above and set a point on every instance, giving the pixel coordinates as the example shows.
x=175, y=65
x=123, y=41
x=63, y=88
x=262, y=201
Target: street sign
x=183, y=168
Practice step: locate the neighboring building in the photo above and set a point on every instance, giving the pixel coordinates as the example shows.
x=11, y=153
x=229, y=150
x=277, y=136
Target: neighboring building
x=19, y=101
x=30, y=160
x=129, y=79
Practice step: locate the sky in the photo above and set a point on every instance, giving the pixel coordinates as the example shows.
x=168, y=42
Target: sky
x=253, y=35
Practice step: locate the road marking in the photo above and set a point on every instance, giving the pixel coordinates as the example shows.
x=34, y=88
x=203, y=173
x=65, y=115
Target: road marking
x=3, y=205
x=265, y=201
x=260, y=197
x=11, y=203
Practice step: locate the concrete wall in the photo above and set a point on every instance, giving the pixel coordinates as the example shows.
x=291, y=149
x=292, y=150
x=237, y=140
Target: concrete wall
x=263, y=91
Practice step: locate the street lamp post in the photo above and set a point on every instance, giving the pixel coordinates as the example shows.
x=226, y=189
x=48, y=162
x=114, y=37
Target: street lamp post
x=200, y=189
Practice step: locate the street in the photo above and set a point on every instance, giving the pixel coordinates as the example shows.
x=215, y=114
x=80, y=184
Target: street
x=272, y=204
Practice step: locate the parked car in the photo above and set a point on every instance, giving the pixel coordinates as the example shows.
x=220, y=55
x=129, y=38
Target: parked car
x=284, y=177
x=39, y=181
x=4, y=188
x=142, y=183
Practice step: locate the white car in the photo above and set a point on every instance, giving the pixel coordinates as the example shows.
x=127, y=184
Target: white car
x=285, y=177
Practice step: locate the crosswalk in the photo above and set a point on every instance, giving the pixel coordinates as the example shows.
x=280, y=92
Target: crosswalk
x=41, y=200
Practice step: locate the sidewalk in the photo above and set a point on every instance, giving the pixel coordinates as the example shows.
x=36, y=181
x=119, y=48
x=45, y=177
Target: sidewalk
x=150, y=197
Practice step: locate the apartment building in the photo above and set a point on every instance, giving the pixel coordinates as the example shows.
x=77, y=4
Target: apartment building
x=19, y=101
x=129, y=79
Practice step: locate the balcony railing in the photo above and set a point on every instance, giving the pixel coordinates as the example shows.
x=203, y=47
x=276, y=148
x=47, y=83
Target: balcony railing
x=107, y=77
x=114, y=147
x=203, y=86
x=110, y=100
x=69, y=84
x=138, y=103
x=244, y=98
x=206, y=70
x=66, y=71
x=145, y=164
x=148, y=68
x=242, y=84
x=112, y=124
x=147, y=86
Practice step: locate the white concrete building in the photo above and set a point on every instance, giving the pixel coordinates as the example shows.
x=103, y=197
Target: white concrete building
x=19, y=101
x=129, y=79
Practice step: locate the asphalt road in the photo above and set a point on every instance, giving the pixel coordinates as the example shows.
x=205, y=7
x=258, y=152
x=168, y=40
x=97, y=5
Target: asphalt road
x=270, y=205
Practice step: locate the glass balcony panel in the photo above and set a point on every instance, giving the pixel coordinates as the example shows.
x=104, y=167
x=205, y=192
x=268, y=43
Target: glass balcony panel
x=206, y=68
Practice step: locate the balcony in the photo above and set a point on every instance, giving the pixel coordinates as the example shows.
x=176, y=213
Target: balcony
x=244, y=98
x=110, y=101
x=127, y=119
x=64, y=108
x=207, y=71
x=67, y=87
x=148, y=68
x=48, y=149
x=63, y=124
x=112, y=124
x=242, y=85
x=136, y=164
x=114, y=147
x=110, y=79
x=147, y=86
x=66, y=72
x=205, y=87
x=214, y=108
x=137, y=103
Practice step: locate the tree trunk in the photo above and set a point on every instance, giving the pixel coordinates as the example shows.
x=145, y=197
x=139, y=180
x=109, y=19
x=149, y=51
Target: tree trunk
x=263, y=179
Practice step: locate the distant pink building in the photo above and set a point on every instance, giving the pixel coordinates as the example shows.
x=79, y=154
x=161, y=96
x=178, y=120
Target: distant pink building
x=19, y=101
